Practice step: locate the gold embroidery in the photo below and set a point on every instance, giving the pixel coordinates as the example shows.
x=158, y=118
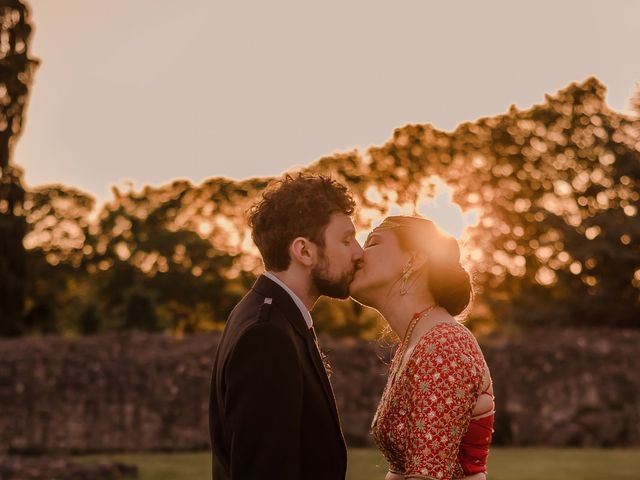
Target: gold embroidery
x=434, y=398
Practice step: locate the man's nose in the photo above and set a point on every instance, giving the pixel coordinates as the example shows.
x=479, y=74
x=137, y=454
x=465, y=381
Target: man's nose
x=358, y=253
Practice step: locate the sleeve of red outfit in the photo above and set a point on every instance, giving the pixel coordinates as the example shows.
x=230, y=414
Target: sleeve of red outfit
x=443, y=388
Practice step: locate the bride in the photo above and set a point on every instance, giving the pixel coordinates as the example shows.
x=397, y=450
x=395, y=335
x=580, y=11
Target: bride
x=435, y=418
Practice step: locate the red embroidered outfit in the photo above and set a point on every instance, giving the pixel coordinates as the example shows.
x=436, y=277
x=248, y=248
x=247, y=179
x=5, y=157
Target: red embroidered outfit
x=423, y=423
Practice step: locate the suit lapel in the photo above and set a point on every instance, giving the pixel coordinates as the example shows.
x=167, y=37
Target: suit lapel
x=268, y=288
x=314, y=352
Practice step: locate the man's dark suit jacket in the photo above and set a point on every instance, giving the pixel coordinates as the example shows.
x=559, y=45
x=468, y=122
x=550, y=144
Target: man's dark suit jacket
x=272, y=412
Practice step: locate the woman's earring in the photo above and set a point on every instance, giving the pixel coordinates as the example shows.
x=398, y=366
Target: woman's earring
x=406, y=273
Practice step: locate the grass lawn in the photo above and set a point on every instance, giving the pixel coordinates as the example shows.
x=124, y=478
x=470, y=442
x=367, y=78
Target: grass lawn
x=367, y=464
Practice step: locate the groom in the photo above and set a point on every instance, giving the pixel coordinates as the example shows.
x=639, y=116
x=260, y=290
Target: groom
x=272, y=413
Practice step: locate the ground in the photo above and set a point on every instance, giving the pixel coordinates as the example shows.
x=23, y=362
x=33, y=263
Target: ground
x=367, y=464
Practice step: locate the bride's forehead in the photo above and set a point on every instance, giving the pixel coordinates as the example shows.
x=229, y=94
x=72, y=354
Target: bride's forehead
x=379, y=235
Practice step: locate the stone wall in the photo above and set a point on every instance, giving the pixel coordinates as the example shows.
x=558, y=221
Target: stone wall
x=45, y=468
x=135, y=391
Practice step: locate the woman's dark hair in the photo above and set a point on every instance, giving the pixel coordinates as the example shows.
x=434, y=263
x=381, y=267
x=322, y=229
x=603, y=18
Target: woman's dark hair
x=292, y=207
x=450, y=284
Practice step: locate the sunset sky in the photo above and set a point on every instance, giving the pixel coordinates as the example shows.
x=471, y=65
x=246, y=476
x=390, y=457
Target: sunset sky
x=151, y=90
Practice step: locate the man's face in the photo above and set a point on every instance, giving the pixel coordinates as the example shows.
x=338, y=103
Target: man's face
x=338, y=260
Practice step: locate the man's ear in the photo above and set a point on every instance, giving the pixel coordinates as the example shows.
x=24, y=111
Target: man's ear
x=303, y=251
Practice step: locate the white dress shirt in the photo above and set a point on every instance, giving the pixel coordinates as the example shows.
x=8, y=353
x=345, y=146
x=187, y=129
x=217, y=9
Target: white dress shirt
x=301, y=306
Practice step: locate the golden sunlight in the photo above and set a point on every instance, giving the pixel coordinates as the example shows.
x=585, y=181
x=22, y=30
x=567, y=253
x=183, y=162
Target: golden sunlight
x=435, y=202
x=447, y=214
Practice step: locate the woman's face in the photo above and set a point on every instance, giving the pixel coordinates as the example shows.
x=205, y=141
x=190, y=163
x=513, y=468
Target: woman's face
x=382, y=263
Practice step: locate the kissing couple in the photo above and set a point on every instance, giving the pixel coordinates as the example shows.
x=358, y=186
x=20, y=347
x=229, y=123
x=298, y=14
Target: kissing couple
x=272, y=410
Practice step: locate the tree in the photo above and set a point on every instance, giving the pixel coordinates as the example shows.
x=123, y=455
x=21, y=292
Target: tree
x=635, y=99
x=16, y=73
x=556, y=188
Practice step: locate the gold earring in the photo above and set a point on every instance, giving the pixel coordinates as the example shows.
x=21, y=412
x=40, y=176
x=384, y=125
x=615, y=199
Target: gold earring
x=406, y=273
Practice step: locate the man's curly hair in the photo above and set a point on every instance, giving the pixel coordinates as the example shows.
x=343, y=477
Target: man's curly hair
x=292, y=207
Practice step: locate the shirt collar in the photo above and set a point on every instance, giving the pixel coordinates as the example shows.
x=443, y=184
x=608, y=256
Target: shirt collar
x=301, y=306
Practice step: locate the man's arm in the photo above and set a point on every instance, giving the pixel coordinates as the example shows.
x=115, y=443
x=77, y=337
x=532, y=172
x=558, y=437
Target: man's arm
x=263, y=404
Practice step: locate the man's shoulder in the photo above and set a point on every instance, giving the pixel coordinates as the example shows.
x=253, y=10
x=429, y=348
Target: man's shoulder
x=255, y=323
x=265, y=328
x=256, y=308
x=255, y=311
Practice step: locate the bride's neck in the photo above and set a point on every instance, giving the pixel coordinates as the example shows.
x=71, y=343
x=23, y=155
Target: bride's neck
x=399, y=312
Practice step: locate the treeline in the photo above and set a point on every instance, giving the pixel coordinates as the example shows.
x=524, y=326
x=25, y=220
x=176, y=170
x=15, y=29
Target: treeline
x=555, y=186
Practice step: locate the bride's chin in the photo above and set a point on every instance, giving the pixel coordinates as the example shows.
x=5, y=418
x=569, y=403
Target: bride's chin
x=355, y=292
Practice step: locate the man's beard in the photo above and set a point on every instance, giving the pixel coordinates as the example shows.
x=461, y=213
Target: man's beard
x=324, y=285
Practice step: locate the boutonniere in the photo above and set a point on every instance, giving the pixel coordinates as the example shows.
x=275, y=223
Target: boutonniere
x=327, y=365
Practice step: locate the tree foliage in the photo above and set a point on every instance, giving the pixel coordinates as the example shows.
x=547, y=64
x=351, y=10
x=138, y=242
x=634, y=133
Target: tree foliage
x=16, y=74
x=555, y=187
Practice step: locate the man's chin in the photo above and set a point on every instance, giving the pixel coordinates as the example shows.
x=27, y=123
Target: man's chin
x=339, y=290
x=339, y=295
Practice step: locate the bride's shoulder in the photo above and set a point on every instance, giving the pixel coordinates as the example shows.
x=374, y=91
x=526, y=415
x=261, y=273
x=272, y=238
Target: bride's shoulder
x=446, y=332
x=449, y=338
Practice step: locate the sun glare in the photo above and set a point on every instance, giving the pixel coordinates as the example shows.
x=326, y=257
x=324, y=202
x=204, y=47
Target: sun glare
x=445, y=212
x=440, y=208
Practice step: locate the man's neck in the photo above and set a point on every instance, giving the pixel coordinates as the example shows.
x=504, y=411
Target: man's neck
x=300, y=286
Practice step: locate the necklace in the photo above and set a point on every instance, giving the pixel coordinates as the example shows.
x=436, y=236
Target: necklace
x=405, y=341
x=397, y=361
